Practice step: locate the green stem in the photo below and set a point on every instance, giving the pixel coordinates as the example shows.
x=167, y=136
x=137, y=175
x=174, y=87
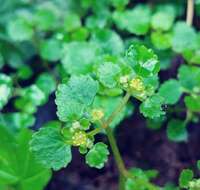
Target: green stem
x=117, y=110
x=190, y=12
x=118, y=159
x=105, y=124
x=122, y=181
x=115, y=150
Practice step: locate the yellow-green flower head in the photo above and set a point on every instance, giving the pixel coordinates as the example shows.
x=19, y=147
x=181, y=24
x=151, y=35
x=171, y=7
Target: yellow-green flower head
x=79, y=138
x=137, y=84
x=97, y=114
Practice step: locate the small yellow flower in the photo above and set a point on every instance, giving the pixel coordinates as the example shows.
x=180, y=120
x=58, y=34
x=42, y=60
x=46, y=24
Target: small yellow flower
x=79, y=138
x=136, y=84
x=97, y=114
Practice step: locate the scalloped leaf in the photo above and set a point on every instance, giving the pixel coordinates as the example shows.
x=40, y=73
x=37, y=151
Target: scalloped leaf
x=128, y=19
x=185, y=177
x=107, y=74
x=143, y=60
x=109, y=41
x=50, y=149
x=79, y=57
x=97, y=156
x=171, y=91
x=176, y=130
x=184, y=37
x=152, y=107
x=72, y=98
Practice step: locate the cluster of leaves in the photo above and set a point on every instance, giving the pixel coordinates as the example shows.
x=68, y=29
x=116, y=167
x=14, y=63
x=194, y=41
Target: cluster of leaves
x=92, y=62
x=80, y=105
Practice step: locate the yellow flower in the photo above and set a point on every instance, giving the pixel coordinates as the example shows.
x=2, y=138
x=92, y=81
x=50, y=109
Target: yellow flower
x=136, y=84
x=79, y=138
x=97, y=114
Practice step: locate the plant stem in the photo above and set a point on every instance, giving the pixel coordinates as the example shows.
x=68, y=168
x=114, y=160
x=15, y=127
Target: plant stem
x=123, y=173
x=190, y=12
x=117, y=110
x=105, y=124
x=118, y=159
x=115, y=150
x=122, y=181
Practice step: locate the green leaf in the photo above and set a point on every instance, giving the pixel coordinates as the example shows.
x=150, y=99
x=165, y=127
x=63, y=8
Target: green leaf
x=165, y=57
x=176, y=130
x=170, y=186
x=29, y=98
x=83, y=89
x=50, y=149
x=156, y=123
x=143, y=60
x=152, y=107
x=162, y=20
x=161, y=41
x=45, y=18
x=19, y=30
x=198, y=164
x=21, y=169
x=185, y=177
x=171, y=91
x=192, y=103
x=72, y=22
x=97, y=156
x=128, y=20
x=81, y=34
x=5, y=89
x=24, y=72
x=189, y=77
x=108, y=73
x=73, y=98
x=2, y=61
x=17, y=120
x=119, y=3
x=141, y=181
x=192, y=56
x=109, y=41
x=184, y=37
x=43, y=80
x=79, y=57
x=50, y=49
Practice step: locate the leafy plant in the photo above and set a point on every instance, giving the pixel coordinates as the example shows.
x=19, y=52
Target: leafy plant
x=104, y=61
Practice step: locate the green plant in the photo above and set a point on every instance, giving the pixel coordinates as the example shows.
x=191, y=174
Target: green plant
x=98, y=65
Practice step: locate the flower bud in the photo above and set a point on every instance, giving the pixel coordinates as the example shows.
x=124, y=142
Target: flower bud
x=124, y=81
x=76, y=125
x=97, y=114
